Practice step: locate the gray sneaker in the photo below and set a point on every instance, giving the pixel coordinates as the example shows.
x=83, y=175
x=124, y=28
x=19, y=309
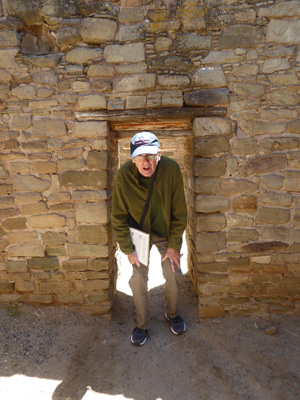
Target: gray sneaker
x=177, y=324
x=139, y=336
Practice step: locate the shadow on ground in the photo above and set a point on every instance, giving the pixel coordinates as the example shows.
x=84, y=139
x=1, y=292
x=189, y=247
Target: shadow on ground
x=229, y=359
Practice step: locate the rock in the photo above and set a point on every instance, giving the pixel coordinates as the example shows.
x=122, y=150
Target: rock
x=44, y=263
x=130, y=53
x=211, y=126
x=60, y=9
x=211, y=204
x=210, y=242
x=210, y=222
x=136, y=82
x=92, y=213
x=129, y=15
x=83, y=55
x=209, y=168
x=260, y=247
x=67, y=35
x=28, y=11
x=264, y=164
x=211, y=146
x=9, y=39
x=281, y=10
x=210, y=77
x=78, y=179
x=132, y=32
x=90, y=129
x=91, y=102
x=283, y=97
x=46, y=221
x=241, y=36
x=193, y=41
x=47, y=127
x=284, y=31
x=206, y=97
x=222, y=57
x=44, y=61
x=274, y=216
x=275, y=64
x=7, y=58
x=244, y=204
x=271, y=330
x=98, y=30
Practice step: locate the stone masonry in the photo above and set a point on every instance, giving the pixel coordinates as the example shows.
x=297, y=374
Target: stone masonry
x=217, y=79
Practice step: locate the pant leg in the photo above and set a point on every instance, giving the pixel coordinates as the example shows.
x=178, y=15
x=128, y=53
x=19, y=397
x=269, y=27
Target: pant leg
x=173, y=279
x=139, y=286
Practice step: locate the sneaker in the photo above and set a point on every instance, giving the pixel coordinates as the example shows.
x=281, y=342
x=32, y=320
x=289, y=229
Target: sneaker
x=139, y=336
x=176, y=324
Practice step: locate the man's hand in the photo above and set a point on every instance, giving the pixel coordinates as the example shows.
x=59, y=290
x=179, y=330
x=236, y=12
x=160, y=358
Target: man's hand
x=174, y=257
x=133, y=258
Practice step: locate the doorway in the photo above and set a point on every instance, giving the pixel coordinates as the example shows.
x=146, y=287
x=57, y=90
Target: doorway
x=178, y=146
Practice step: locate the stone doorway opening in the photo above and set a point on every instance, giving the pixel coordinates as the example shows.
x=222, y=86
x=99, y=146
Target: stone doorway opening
x=177, y=145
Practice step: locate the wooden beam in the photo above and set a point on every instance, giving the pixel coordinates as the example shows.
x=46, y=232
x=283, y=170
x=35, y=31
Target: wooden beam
x=153, y=114
x=151, y=125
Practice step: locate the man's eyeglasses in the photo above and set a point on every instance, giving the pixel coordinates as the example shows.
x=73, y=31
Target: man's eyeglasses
x=150, y=157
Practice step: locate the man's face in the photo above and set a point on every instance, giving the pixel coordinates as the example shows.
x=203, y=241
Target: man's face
x=145, y=166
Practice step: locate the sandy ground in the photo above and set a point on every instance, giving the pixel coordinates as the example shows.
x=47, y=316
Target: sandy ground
x=49, y=353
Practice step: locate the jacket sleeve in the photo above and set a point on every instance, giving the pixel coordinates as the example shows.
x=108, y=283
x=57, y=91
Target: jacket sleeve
x=178, y=213
x=119, y=217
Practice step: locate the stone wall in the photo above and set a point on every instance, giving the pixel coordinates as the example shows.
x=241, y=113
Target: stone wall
x=220, y=78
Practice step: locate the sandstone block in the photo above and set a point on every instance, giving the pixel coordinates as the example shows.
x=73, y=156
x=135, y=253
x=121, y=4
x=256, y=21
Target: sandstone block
x=20, y=122
x=40, y=298
x=222, y=57
x=172, y=98
x=24, y=286
x=73, y=164
x=90, y=129
x=9, y=39
x=272, y=181
x=264, y=246
x=129, y=53
x=241, y=36
x=242, y=235
x=44, y=61
x=100, y=264
x=239, y=221
x=98, y=30
x=209, y=168
x=249, y=89
x=272, y=144
x=292, y=181
x=16, y=266
x=93, y=234
x=275, y=198
x=11, y=224
x=264, y=164
x=210, y=222
x=92, y=285
x=275, y=64
x=42, y=167
x=136, y=102
x=129, y=15
x=83, y=55
x=211, y=126
x=211, y=242
x=43, y=263
x=245, y=70
x=46, y=221
x=97, y=160
x=207, y=186
x=3, y=173
x=237, y=186
x=24, y=92
x=274, y=269
x=49, y=128
x=173, y=82
x=101, y=70
x=163, y=26
x=91, y=102
x=136, y=82
x=281, y=233
x=22, y=237
x=70, y=298
x=206, y=97
x=244, y=204
x=93, y=179
x=284, y=80
x=210, y=204
x=46, y=78
x=67, y=35
x=211, y=146
x=26, y=250
x=6, y=287
x=56, y=287
x=131, y=32
x=282, y=97
x=96, y=213
x=194, y=41
x=76, y=250
x=7, y=58
x=100, y=297
x=281, y=10
x=54, y=238
x=210, y=77
x=294, y=126
x=75, y=265
x=284, y=31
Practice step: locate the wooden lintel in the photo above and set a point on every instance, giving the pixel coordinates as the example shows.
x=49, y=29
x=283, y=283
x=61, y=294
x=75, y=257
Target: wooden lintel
x=159, y=114
x=151, y=125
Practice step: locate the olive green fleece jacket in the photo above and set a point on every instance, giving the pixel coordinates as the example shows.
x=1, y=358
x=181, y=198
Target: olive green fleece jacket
x=130, y=196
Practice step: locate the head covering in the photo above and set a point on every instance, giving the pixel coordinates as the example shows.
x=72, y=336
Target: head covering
x=144, y=143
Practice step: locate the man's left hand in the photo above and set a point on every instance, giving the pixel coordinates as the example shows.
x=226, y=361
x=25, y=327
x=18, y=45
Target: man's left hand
x=174, y=257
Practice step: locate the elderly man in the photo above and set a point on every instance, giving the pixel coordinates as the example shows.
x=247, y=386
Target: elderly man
x=164, y=219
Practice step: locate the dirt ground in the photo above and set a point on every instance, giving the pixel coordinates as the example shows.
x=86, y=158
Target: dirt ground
x=50, y=353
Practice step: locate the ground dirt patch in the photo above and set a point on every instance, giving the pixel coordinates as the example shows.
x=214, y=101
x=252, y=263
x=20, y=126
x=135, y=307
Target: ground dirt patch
x=50, y=353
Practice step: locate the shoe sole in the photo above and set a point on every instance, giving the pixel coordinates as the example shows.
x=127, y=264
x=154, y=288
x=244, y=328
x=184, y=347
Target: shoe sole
x=172, y=330
x=138, y=344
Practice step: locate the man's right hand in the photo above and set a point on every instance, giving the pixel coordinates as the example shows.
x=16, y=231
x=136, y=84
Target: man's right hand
x=133, y=258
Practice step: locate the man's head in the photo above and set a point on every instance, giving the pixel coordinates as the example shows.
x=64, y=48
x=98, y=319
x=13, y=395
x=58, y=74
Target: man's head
x=145, y=154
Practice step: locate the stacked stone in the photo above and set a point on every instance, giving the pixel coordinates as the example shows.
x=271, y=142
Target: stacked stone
x=60, y=61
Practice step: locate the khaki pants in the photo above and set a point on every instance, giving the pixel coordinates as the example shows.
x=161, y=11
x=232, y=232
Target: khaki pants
x=138, y=284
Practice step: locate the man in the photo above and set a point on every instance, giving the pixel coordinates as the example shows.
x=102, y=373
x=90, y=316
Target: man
x=165, y=221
